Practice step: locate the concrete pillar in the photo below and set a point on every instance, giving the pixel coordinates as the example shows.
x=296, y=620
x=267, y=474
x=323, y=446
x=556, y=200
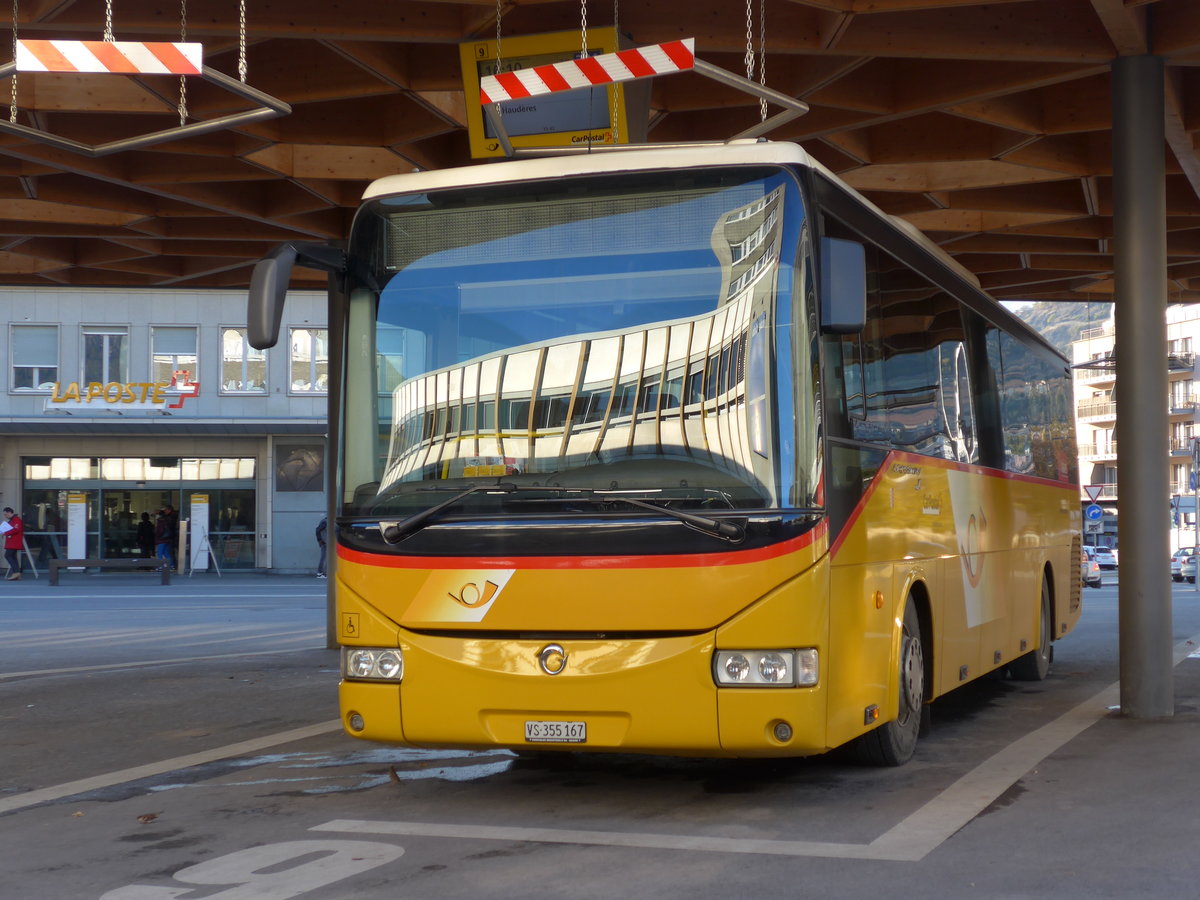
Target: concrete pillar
x=1139, y=223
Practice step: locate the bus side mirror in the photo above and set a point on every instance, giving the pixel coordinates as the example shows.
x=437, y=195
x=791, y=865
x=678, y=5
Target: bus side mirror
x=843, y=286
x=269, y=284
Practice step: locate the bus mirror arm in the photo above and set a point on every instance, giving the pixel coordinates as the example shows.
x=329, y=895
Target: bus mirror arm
x=269, y=284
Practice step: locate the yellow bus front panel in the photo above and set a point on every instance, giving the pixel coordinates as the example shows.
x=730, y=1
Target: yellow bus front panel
x=465, y=687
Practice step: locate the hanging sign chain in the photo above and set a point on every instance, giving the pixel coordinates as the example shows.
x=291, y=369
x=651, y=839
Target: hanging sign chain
x=182, y=78
x=242, y=40
x=762, y=55
x=762, y=50
x=616, y=91
x=583, y=27
x=108, y=32
x=499, y=58
x=749, y=57
x=12, y=108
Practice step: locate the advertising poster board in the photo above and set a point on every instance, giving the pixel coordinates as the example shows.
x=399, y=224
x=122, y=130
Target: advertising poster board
x=199, y=528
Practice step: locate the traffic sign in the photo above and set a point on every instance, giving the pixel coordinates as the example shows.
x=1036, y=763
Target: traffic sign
x=1093, y=513
x=1093, y=491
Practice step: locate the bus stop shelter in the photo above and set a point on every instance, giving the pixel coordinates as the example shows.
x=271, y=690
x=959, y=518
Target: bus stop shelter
x=1048, y=145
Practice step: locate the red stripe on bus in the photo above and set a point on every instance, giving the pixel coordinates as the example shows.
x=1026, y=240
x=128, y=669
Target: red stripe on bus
x=933, y=462
x=677, y=561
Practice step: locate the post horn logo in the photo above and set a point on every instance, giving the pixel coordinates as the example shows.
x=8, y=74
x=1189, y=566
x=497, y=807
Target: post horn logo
x=470, y=596
x=552, y=659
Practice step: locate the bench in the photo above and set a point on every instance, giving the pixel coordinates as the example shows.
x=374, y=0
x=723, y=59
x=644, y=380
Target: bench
x=161, y=565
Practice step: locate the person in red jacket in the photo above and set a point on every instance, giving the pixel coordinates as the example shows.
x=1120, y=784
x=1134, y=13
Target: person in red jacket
x=14, y=543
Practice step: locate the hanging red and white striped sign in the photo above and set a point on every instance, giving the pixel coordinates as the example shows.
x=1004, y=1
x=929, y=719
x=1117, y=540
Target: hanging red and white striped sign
x=123, y=57
x=624, y=65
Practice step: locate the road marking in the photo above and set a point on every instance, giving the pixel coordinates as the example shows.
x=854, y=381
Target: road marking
x=122, y=776
x=910, y=840
x=141, y=664
x=175, y=636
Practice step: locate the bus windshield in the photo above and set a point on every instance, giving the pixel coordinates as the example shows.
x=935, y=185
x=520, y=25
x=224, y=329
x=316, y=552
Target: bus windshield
x=639, y=334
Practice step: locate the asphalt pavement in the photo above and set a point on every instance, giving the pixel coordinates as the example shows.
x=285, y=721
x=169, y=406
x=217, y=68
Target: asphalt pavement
x=207, y=707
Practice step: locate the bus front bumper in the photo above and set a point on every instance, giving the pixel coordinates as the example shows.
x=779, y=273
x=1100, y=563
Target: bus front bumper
x=631, y=695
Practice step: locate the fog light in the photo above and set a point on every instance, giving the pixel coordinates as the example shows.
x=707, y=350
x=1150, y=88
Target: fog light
x=782, y=732
x=356, y=722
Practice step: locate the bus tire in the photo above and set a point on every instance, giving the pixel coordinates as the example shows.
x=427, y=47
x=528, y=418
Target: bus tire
x=1035, y=665
x=893, y=743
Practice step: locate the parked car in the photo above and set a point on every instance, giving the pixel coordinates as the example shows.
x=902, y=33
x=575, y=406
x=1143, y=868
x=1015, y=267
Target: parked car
x=1105, y=557
x=1186, y=556
x=1176, y=569
x=1090, y=569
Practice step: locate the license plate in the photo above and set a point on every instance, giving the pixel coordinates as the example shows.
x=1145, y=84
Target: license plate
x=557, y=732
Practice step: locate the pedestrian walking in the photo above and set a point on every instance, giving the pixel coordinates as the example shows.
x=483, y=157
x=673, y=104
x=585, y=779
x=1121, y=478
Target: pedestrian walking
x=322, y=531
x=162, y=536
x=14, y=542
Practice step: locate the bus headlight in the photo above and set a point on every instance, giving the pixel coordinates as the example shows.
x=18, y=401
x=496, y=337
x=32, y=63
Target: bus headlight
x=372, y=664
x=766, y=668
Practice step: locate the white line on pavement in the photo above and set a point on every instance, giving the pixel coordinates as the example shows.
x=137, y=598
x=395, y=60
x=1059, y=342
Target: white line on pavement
x=98, y=782
x=154, y=662
x=910, y=840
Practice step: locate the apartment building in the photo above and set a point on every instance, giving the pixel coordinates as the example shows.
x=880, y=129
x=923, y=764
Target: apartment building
x=1096, y=420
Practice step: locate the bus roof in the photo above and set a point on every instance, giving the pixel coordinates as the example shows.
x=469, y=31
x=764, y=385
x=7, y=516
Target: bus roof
x=632, y=159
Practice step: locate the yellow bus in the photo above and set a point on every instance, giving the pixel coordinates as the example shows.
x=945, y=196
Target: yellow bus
x=686, y=451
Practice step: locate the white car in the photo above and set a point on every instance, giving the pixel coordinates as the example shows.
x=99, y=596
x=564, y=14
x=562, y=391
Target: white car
x=1090, y=569
x=1186, y=557
x=1105, y=557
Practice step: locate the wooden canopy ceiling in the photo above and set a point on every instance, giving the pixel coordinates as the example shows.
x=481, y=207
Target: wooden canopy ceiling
x=987, y=125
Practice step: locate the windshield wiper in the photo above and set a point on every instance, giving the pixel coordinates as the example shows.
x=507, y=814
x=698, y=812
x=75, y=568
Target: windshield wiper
x=728, y=531
x=395, y=532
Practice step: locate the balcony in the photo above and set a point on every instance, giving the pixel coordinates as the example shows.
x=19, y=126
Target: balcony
x=1181, y=446
x=1096, y=371
x=1181, y=362
x=1182, y=404
x=1097, y=452
x=1096, y=411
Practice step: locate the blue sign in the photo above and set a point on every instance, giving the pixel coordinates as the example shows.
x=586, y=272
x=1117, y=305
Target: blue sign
x=1093, y=513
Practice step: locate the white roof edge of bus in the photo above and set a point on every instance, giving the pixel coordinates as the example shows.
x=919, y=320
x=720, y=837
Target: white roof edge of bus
x=539, y=168
x=731, y=153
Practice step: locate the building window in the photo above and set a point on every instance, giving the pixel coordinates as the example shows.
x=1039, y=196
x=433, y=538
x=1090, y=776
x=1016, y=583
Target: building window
x=243, y=369
x=173, y=350
x=105, y=353
x=310, y=361
x=34, y=354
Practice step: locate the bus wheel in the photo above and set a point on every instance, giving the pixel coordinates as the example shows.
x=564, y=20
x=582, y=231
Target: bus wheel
x=893, y=743
x=1035, y=665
